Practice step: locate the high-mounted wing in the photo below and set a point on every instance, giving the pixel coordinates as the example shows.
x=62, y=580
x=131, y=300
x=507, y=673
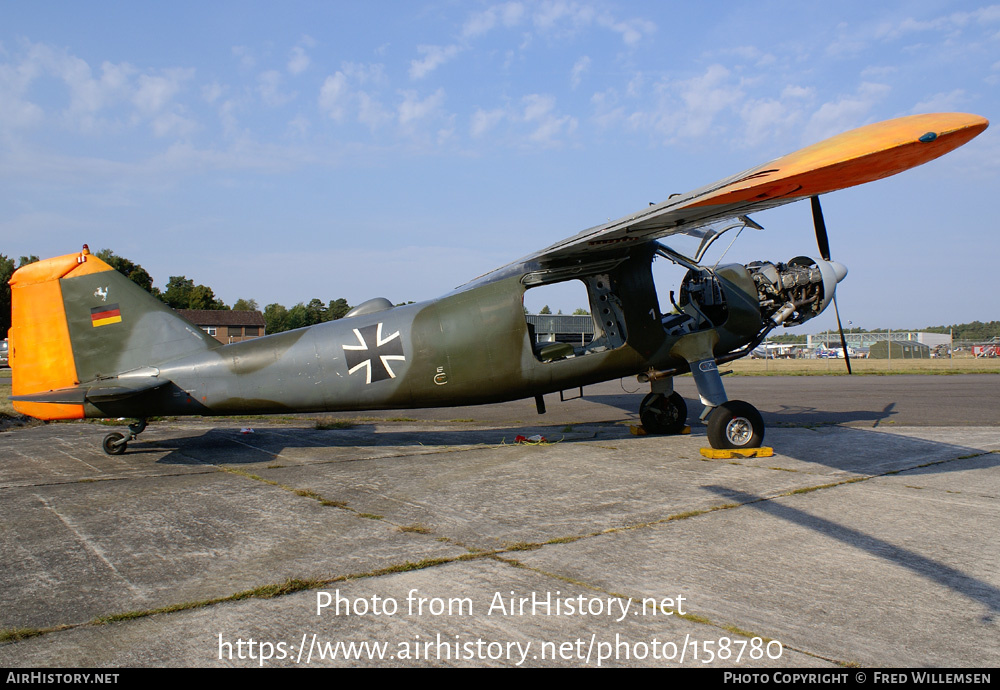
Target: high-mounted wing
x=862, y=155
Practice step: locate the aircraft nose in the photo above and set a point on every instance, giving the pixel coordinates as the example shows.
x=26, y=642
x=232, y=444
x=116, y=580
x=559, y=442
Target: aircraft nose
x=839, y=270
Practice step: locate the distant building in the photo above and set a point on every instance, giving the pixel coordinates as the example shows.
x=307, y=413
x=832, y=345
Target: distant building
x=561, y=328
x=867, y=339
x=899, y=349
x=227, y=326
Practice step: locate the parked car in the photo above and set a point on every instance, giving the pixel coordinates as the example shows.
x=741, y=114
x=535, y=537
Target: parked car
x=3, y=354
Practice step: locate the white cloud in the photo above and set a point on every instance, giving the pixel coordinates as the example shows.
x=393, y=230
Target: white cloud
x=554, y=13
x=705, y=97
x=340, y=100
x=951, y=25
x=942, y=102
x=228, y=120
x=212, y=92
x=167, y=124
x=246, y=59
x=15, y=110
x=91, y=95
x=95, y=98
x=950, y=22
x=365, y=73
x=412, y=110
x=537, y=106
x=446, y=133
x=878, y=71
x=299, y=61
x=269, y=87
x=433, y=57
x=767, y=118
x=155, y=92
x=631, y=31
x=508, y=14
x=579, y=69
x=333, y=96
x=608, y=112
x=88, y=95
x=795, y=91
x=485, y=120
x=635, y=85
x=539, y=111
x=687, y=108
x=299, y=126
x=371, y=113
x=845, y=113
x=566, y=18
x=751, y=54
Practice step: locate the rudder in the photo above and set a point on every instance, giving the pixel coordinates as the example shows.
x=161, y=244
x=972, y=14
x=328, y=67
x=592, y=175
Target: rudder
x=77, y=320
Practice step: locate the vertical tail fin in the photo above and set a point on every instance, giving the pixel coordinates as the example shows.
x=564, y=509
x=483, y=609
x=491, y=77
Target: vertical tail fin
x=76, y=320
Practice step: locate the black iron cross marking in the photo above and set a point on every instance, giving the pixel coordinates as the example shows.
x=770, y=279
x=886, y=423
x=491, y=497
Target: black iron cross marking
x=374, y=361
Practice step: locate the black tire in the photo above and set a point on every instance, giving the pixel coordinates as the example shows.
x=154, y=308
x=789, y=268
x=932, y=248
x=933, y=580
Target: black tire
x=663, y=414
x=110, y=442
x=735, y=424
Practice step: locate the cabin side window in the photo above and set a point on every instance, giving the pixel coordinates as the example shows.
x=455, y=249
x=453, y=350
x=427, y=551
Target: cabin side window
x=573, y=318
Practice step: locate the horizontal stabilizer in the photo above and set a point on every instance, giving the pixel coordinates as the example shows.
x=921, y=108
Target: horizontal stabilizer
x=109, y=390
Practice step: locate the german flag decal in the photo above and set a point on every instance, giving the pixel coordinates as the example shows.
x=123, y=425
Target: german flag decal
x=102, y=316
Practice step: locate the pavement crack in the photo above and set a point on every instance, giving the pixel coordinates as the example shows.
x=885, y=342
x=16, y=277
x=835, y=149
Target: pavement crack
x=87, y=544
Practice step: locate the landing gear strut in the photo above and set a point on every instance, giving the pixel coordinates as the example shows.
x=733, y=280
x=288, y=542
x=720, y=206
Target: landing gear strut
x=731, y=423
x=115, y=442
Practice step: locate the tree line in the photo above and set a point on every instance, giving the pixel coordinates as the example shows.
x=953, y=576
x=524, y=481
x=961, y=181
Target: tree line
x=182, y=293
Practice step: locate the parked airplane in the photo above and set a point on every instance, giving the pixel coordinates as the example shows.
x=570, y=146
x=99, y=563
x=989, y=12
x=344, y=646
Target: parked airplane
x=87, y=342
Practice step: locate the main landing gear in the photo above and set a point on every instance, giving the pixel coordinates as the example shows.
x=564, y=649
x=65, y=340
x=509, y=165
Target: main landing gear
x=732, y=424
x=662, y=413
x=735, y=424
x=115, y=442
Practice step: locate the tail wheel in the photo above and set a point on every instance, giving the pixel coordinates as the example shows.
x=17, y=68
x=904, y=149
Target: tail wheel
x=663, y=414
x=735, y=424
x=114, y=443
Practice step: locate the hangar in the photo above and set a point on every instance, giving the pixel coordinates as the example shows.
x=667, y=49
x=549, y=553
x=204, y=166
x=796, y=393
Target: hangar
x=899, y=349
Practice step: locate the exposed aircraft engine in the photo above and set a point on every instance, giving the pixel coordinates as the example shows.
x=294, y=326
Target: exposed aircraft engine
x=702, y=290
x=795, y=292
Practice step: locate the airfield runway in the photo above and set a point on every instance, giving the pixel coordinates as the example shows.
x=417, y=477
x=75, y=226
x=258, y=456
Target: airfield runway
x=868, y=539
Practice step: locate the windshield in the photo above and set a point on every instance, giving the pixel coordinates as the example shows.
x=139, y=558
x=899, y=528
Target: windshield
x=694, y=244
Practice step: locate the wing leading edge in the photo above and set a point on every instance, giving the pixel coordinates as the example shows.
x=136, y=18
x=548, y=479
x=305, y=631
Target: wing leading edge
x=861, y=155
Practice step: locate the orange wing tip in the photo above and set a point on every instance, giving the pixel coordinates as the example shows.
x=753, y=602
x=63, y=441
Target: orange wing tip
x=861, y=155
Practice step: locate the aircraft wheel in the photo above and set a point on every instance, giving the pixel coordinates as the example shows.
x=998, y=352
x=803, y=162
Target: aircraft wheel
x=111, y=445
x=663, y=414
x=735, y=424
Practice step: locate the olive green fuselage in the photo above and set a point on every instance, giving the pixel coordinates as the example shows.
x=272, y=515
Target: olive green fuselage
x=469, y=347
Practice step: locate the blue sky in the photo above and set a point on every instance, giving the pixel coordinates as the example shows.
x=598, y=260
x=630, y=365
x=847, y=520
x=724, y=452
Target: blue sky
x=335, y=149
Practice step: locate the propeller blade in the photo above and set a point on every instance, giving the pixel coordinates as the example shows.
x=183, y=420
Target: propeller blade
x=823, y=242
x=843, y=340
x=821, y=238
